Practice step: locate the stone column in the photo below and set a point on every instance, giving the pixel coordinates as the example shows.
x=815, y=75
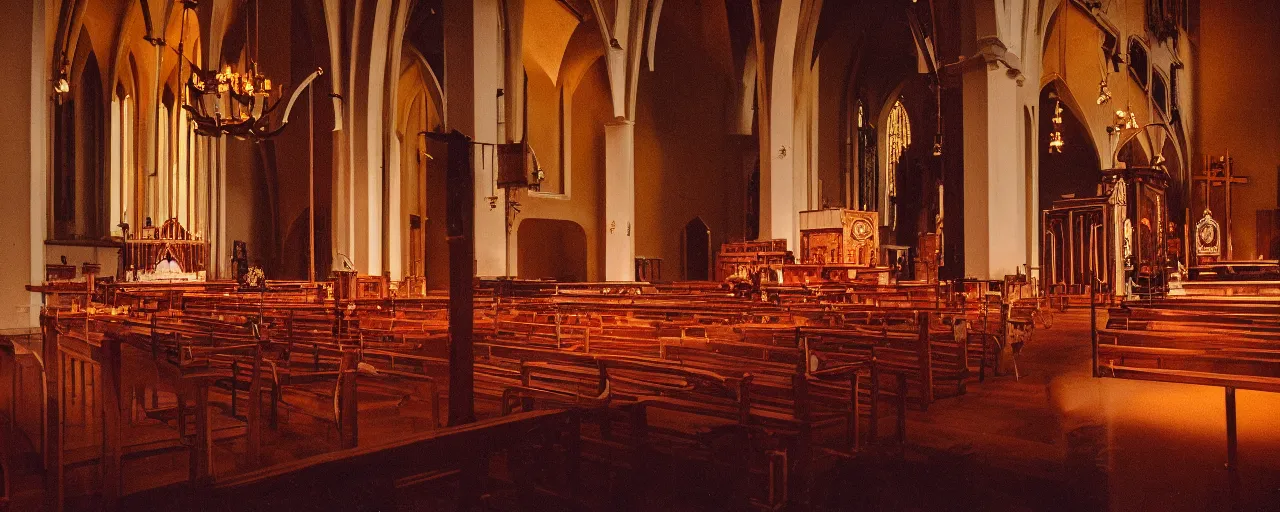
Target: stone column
x=780, y=187
x=473, y=56
x=995, y=235
x=619, y=200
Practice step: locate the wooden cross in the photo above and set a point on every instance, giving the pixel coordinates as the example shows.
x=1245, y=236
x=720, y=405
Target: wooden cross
x=1219, y=174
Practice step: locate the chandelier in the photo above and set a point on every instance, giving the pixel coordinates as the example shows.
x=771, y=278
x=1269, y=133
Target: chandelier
x=235, y=103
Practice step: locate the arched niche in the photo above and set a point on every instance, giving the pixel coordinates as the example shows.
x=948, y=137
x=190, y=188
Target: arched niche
x=552, y=249
x=1076, y=170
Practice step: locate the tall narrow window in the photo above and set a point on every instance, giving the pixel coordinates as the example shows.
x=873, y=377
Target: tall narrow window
x=1138, y=63
x=128, y=171
x=897, y=138
x=157, y=182
x=116, y=163
x=868, y=171
x=64, y=163
x=181, y=162
x=1160, y=92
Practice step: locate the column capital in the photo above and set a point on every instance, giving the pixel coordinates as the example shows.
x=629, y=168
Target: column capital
x=994, y=52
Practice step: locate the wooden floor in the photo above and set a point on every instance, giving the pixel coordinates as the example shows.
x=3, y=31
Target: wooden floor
x=1054, y=439
x=1059, y=439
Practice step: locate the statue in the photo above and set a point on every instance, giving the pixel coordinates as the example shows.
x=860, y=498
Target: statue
x=239, y=261
x=1128, y=244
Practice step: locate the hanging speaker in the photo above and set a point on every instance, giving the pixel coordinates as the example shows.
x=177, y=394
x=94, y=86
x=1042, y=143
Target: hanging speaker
x=517, y=167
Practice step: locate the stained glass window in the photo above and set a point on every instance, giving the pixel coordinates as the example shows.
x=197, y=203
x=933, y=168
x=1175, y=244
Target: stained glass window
x=897, y=138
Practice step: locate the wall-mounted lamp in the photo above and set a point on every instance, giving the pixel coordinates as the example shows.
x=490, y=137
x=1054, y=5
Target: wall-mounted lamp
x=62, y=83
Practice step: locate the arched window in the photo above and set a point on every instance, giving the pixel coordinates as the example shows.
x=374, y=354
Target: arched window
x=868, y=179
x=897, y=138
x=128, y=165
x=116, y=161
x=80, y=149
x=1138, y=67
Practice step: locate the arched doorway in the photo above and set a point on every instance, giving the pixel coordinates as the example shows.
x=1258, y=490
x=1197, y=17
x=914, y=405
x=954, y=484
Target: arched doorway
x=552, y=249
x=697, y=250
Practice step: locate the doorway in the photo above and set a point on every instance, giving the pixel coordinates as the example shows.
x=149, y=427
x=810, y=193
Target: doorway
x=697, y=250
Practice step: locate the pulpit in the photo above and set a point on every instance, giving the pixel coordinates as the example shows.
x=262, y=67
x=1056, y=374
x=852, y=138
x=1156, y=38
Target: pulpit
x=1138, y=216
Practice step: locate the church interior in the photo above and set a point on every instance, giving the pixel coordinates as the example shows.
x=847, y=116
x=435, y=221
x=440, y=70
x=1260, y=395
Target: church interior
x=640, y=255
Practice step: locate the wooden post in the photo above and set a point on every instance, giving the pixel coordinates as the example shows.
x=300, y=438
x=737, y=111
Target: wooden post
x=1093, y=329
x=873, y=425
x=800, y=464
x=639, y=445
x=1004, y=335
x=254, y=415
x=1231, y=429
x=275, y=405
x=155, y=342
x=902, y=409
x=460, y=227
x=925, y=349
x=347, y=414
x=986, y=339
x=235, y=376
x=311, y=186
x=202, y=449
x=53, y=415
x=852, y=431
x=111, y=439
x=962, y=385
x=558, y=329
x=573, y=452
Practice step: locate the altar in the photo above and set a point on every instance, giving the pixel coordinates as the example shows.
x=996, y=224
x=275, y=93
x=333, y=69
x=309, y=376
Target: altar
x=169, y=253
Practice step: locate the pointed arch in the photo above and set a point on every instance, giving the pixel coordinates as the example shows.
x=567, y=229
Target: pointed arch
x=897, y=137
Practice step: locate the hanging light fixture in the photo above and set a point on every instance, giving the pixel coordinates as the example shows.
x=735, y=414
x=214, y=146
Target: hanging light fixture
x=236, y=103
x=1104, y=92
x=1055, y=138
x=1130, y=118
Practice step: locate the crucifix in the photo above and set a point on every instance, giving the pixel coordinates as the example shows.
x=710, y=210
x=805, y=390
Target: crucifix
x=1219, y=173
